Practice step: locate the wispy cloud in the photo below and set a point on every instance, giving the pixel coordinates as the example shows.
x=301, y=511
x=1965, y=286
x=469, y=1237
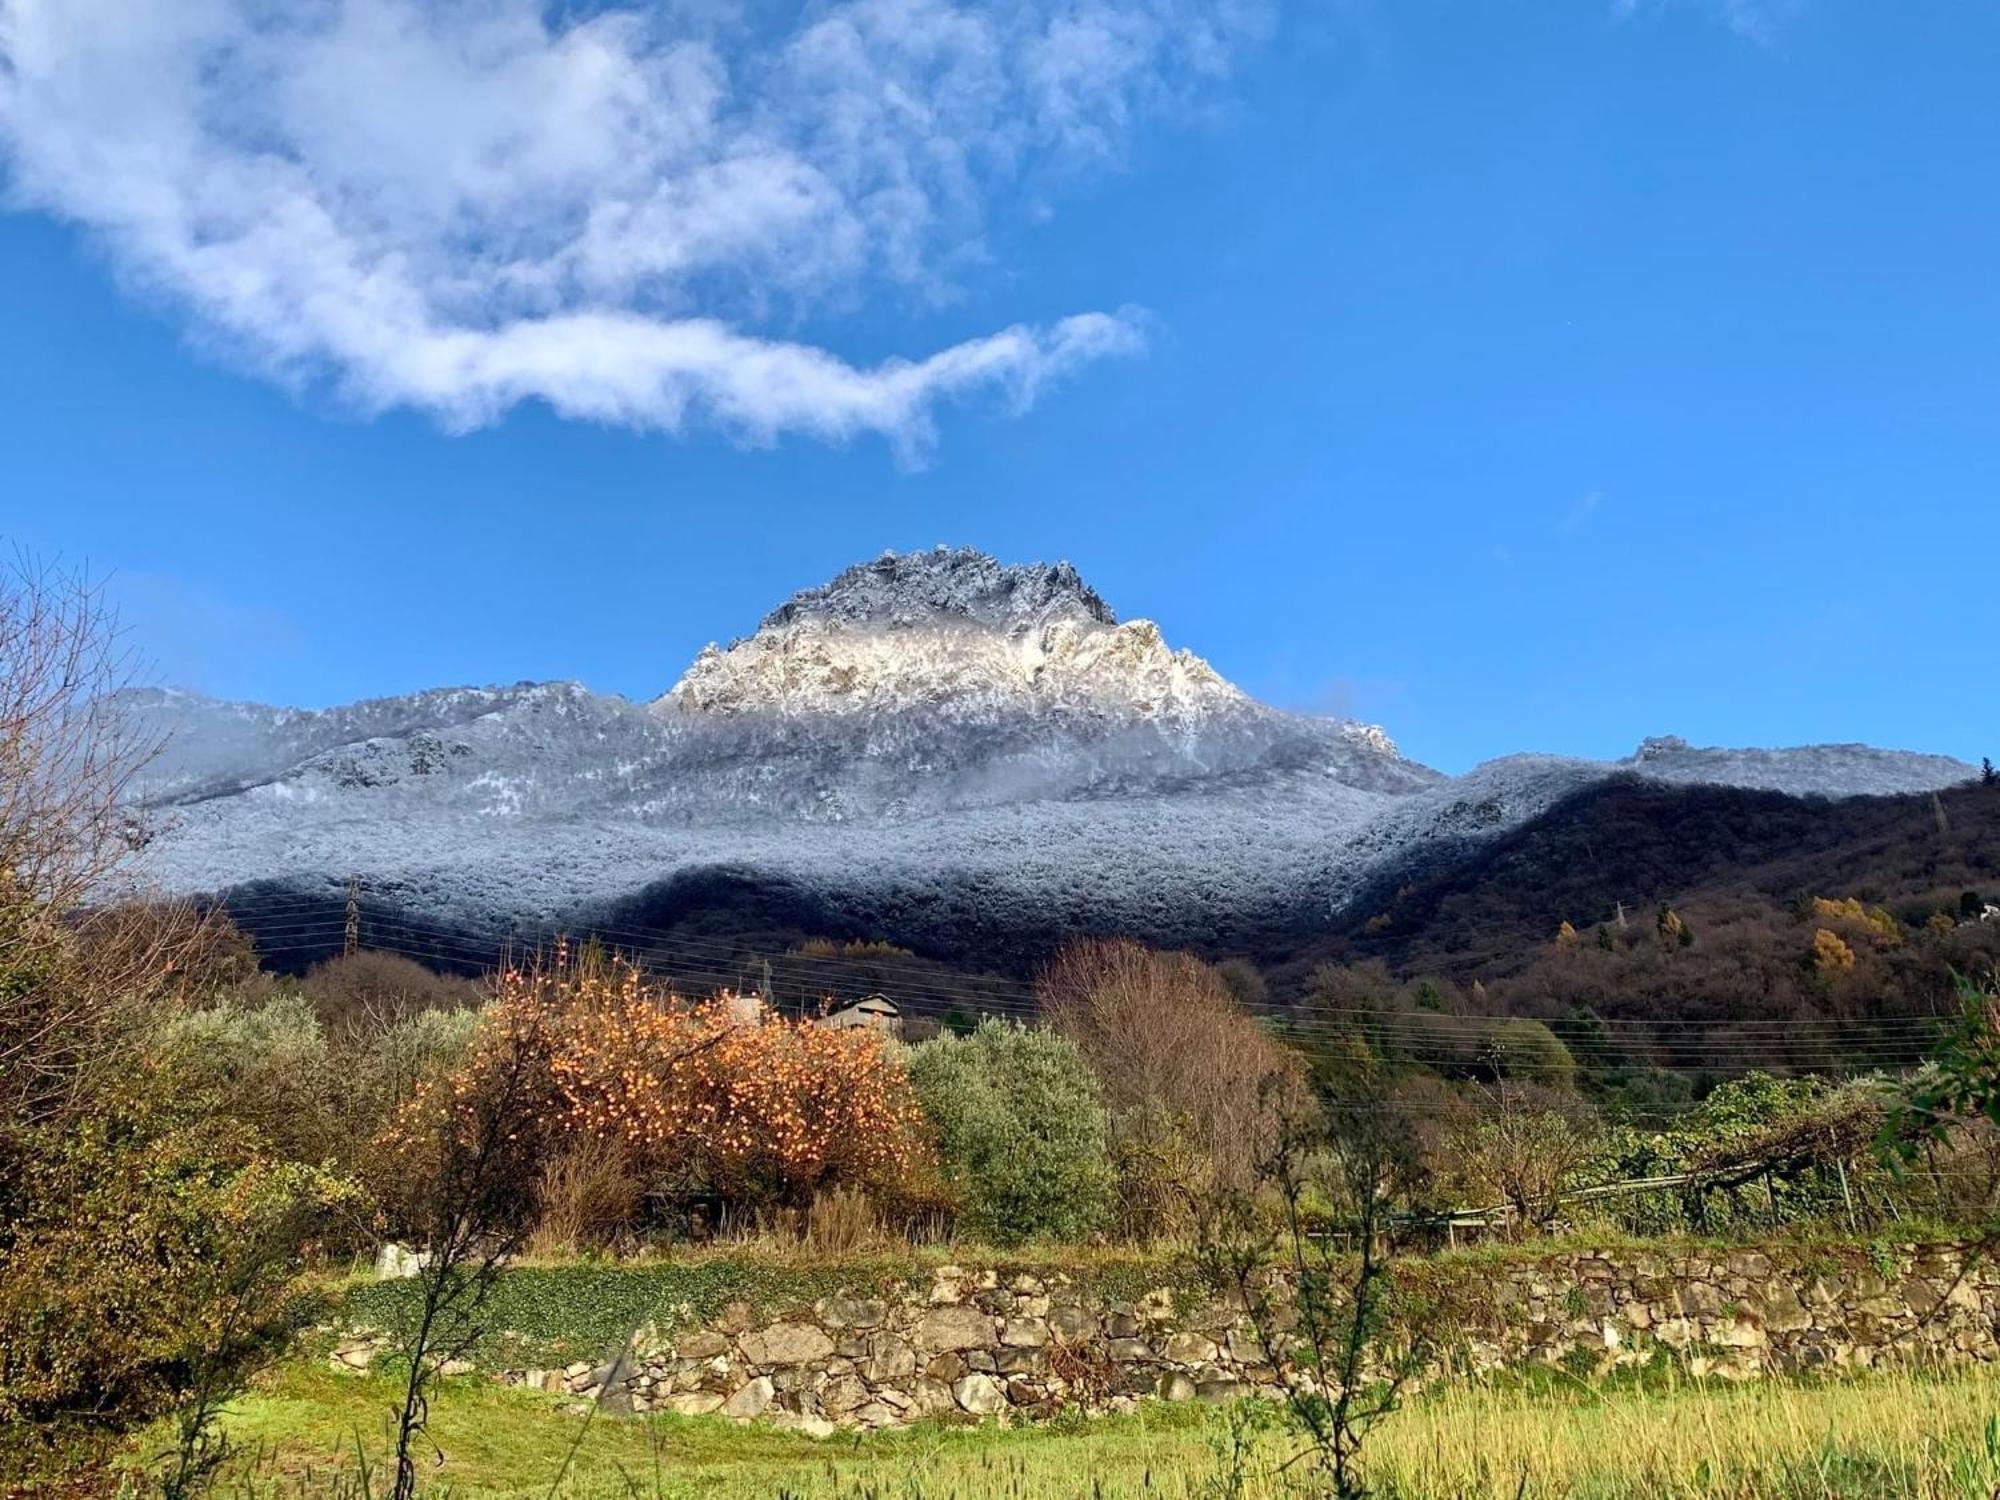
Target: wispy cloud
x=1758, y=20
x=1580, y=511
x=628, y=213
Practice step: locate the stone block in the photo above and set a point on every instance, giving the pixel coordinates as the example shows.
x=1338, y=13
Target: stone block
x=1675, y=1333
x=1697, y=1299
x=786, y=1344
x=1244, y=1346
x=981, y=1395
x=1740, y=1333
x=1024, y=1333
x=1071, y=1323
x=695, y=1403
x=751, y=1400
x=889, y=1359
x=1782, y=1310
x=1188, y=1349
x=843, y=1396
x=702, y=1344
x=843, y=1311
x=1020, y=1362
x=804, y=1422
x=947, y=1328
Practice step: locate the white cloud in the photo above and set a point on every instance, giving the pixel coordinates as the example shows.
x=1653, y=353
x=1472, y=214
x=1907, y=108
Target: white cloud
x=461, y=205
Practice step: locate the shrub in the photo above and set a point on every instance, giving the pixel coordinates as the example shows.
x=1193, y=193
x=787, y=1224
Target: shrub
x=1871, y=922
x=588, y=1196
x=645, y=1095
x=1192, y=1083
x=819, y=947
x=149, y=1244
x=1529, y=1051
x=268, y=1066
x=146, y=1249
x=372, y=990
x=469, y=1145
x=1830, y=954
x=1021, y=1131
x=384, y=1070
x=841, y=1222
x=1246, y=983
x=1522, y=1145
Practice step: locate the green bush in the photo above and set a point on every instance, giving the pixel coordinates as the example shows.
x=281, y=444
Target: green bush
x=1528, y=1051
x=389, y=1066
x=147, y=1250
x=310, y=1097
x=1020, y=1129
x=267, y=1066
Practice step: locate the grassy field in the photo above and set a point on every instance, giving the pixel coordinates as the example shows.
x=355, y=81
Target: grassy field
x=1895, y=1435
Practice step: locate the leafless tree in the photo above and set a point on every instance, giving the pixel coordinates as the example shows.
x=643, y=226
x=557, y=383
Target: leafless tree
x=472, y=1152
x=68, y=756
x=1321, y=1299
x=1193, y=1083
x=67, y=752
x=1523, y=1144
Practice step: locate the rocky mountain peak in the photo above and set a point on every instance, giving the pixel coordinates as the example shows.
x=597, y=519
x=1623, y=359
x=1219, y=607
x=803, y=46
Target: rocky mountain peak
x=957, y=632
x=946, y=583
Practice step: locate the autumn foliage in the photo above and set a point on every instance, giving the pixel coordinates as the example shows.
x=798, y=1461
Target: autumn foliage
x=1871, y=922
x=696, y=1098
x=1830, y=954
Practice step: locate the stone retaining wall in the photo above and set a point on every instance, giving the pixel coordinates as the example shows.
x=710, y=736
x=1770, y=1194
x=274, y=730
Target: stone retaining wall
x=986, y=1343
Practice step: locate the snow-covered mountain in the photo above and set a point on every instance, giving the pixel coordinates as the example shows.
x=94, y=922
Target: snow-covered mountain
x=929, y=742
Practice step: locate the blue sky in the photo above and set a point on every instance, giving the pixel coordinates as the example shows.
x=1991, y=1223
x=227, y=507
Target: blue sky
x=1518, y=376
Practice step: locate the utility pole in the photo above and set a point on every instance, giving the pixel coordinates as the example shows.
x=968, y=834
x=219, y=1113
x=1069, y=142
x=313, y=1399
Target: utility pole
x=352, y=941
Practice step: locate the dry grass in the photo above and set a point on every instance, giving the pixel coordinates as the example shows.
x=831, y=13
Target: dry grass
x=1898, y=1437
x=588, y=1196
x=1887, y=1435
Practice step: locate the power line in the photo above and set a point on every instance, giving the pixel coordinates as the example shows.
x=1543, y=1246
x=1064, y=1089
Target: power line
x=1685, y=1058
x=1659, y=1113
x=718, y=954
x=1856, y=1037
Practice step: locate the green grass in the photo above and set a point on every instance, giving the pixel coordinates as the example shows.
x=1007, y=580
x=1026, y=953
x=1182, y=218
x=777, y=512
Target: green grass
x=299, y=1434
x=1895, y=1435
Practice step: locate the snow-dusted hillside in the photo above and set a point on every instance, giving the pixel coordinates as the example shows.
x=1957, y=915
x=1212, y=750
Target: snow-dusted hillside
x=1833, y=770
x=928, y=739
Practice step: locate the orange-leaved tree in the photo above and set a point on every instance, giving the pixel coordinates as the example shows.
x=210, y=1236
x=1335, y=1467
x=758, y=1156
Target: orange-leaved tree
x=759, y=1111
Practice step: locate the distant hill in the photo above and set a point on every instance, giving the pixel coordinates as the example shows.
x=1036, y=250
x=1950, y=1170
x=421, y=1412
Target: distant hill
x=1908, y=885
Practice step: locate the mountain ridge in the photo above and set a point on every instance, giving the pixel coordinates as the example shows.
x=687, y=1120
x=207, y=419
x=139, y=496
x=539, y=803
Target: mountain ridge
x=919, y=731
